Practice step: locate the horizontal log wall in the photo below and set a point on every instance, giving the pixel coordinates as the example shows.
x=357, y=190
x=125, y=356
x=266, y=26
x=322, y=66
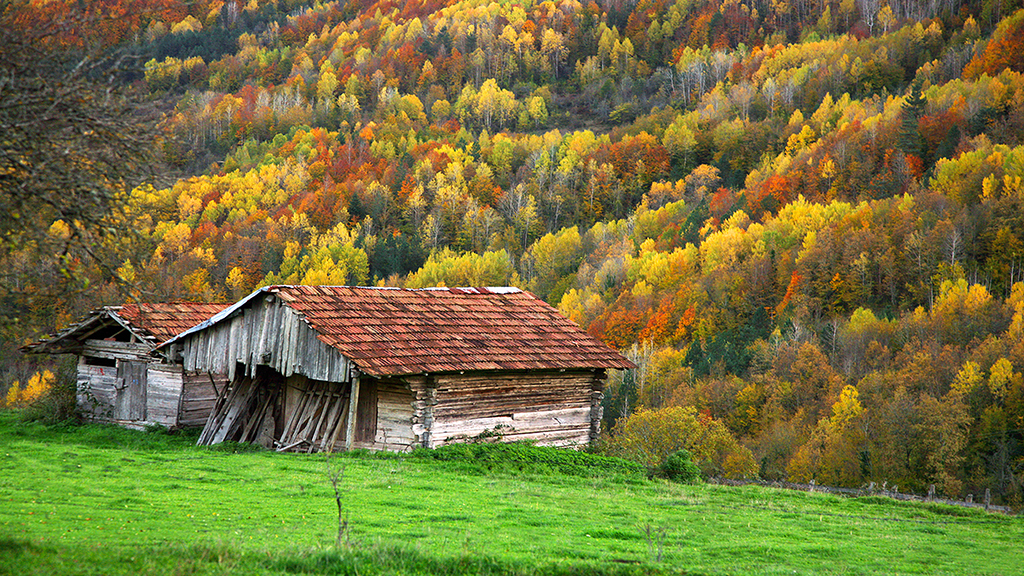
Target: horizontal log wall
x=134, y=351
x=266, y=333
x=550, y=407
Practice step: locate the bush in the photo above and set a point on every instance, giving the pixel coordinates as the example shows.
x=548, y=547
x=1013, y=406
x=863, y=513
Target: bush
x=679, y=467
x=650, y=436
x=524, y=457
x=55, y=397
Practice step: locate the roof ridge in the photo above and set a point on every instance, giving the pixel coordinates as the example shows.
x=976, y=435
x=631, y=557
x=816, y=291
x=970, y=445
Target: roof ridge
x=454, y=289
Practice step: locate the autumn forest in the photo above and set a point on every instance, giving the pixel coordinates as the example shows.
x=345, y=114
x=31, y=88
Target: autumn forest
x=803, y=219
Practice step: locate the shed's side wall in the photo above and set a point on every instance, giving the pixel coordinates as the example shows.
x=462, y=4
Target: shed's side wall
x=549, y=407
x=99, y=386
x=96, y=390
x=172, y=398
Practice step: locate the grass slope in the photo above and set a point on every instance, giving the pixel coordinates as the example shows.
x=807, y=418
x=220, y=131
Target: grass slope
x=101, y=500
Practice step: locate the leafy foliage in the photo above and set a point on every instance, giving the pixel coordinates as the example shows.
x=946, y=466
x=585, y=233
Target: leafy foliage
x=652, y=437
x=521, y=457
x=679, y=467
x=74, y=144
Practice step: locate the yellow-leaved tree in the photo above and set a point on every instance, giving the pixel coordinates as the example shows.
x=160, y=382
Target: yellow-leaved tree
x=650, y=436
x=37, y=386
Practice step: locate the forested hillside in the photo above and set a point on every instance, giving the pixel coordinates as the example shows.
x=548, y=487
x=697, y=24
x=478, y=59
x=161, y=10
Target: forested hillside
x=803, y=218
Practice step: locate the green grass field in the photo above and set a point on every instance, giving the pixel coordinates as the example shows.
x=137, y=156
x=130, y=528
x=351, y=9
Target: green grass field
x=101, y=500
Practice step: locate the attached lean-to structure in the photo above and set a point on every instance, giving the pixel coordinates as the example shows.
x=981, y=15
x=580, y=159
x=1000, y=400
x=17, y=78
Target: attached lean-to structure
x=121, y=380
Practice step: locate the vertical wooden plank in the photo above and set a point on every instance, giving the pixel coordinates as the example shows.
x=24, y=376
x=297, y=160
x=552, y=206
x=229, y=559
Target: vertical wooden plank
x=327, y=407
x=122, y=400
x=294, y=409
x=352, y=414
x=264, y=330
x=299, y=331
x=331, y=425
x=273, y=345
x=366, y=426
x=130, y=391
x=284, y=364
x=343, y=406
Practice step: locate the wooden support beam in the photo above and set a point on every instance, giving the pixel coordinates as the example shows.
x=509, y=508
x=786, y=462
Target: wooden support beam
x=350, y=430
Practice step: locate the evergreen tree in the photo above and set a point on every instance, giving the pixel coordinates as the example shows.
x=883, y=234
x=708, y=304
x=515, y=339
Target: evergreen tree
x=910, y=140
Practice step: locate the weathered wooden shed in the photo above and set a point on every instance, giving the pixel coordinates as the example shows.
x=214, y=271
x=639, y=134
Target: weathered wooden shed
x=121, y=380
x=318, y=368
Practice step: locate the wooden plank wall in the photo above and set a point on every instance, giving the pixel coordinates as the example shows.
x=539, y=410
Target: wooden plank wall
x=288, y=414
x=394, y=419
x=315, y=413
x=132, y=351
x=199, y=392
x=266, y=333
x=549, y=407
x=164, y=395
x=232, y=415
x=100, y=395
x=172, y=398
x=96, y=390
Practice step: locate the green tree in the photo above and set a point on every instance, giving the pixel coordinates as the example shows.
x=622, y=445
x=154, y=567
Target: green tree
x=910, y=140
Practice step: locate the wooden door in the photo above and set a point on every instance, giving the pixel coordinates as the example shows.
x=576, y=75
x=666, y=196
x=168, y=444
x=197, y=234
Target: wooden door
x=366, y=411
x=130, y=391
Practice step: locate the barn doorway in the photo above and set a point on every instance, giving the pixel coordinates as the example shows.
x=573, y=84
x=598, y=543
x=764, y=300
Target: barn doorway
x=366, y=412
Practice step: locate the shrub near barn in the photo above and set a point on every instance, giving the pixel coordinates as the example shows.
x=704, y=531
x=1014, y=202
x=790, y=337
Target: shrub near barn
x=650, y=436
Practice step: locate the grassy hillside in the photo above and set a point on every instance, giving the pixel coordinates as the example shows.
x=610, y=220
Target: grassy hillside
x=100, y=500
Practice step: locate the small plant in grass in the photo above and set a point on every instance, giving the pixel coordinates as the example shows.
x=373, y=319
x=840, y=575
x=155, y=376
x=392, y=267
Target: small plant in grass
x=679, y=467
x=157, y=428
x=655, y=536
x=336, y=475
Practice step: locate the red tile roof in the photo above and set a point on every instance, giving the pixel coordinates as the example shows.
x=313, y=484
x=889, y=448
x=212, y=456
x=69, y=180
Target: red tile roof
x=155, y=323
x=164, y=321
x=392, y=331
x=388, y=331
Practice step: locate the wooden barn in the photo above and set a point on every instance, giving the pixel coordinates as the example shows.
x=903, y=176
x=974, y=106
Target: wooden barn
x=121, y=380
x=317, y=368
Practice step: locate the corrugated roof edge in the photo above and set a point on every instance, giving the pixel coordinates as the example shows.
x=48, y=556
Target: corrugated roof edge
x=227, y=312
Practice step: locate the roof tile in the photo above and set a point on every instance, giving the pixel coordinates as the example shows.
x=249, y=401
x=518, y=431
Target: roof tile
x=165, y=320
x=398, y=331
